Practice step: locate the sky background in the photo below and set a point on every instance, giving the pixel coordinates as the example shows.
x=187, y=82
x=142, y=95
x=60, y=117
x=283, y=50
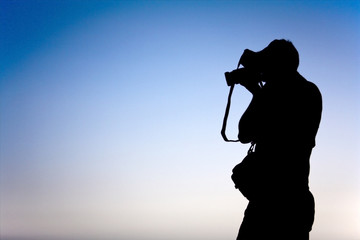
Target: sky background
x=110, y=115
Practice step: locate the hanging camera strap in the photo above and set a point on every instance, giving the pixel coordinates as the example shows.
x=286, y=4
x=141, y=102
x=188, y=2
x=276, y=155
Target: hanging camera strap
x=223, y=129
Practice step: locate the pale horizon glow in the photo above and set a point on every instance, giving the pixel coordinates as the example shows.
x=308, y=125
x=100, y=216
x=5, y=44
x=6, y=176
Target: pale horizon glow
x=110, y=115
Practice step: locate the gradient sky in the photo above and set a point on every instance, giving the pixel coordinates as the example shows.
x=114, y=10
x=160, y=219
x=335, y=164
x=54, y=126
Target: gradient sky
x=110, y=115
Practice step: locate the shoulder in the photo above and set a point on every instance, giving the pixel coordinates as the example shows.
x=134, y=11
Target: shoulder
x=308, y=86
x=311, y=93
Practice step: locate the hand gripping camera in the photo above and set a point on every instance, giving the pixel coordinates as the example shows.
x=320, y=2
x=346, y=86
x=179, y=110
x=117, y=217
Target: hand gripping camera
x=252, y=70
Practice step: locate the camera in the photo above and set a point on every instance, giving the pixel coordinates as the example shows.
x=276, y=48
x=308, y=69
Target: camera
x=252, y=62
x=241, y=76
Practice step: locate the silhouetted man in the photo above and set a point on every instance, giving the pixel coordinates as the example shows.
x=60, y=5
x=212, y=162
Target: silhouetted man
x=282, y=120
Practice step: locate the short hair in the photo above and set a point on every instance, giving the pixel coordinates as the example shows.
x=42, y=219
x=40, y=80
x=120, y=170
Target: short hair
x=282, y=54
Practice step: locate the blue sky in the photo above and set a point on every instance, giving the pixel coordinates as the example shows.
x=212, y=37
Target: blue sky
x=110, y=115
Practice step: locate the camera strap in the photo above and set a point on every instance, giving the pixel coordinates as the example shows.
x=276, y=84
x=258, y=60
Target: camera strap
x=223, y=129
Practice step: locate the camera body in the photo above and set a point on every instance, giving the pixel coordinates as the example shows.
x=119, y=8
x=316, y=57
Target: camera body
x=241, y=76
x=252, y=70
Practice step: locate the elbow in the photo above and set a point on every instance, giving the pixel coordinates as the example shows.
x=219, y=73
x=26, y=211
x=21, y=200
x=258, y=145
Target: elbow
x=244, y=134
x=245, y=129
x=244, y=138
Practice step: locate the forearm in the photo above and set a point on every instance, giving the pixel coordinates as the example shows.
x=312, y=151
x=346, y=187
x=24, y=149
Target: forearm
x=248, y=122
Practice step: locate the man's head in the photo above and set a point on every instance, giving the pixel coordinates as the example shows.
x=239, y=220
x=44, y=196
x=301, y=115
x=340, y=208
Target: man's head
x=280, y=56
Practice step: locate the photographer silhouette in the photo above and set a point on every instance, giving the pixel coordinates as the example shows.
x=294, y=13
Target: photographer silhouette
x=281, y=122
